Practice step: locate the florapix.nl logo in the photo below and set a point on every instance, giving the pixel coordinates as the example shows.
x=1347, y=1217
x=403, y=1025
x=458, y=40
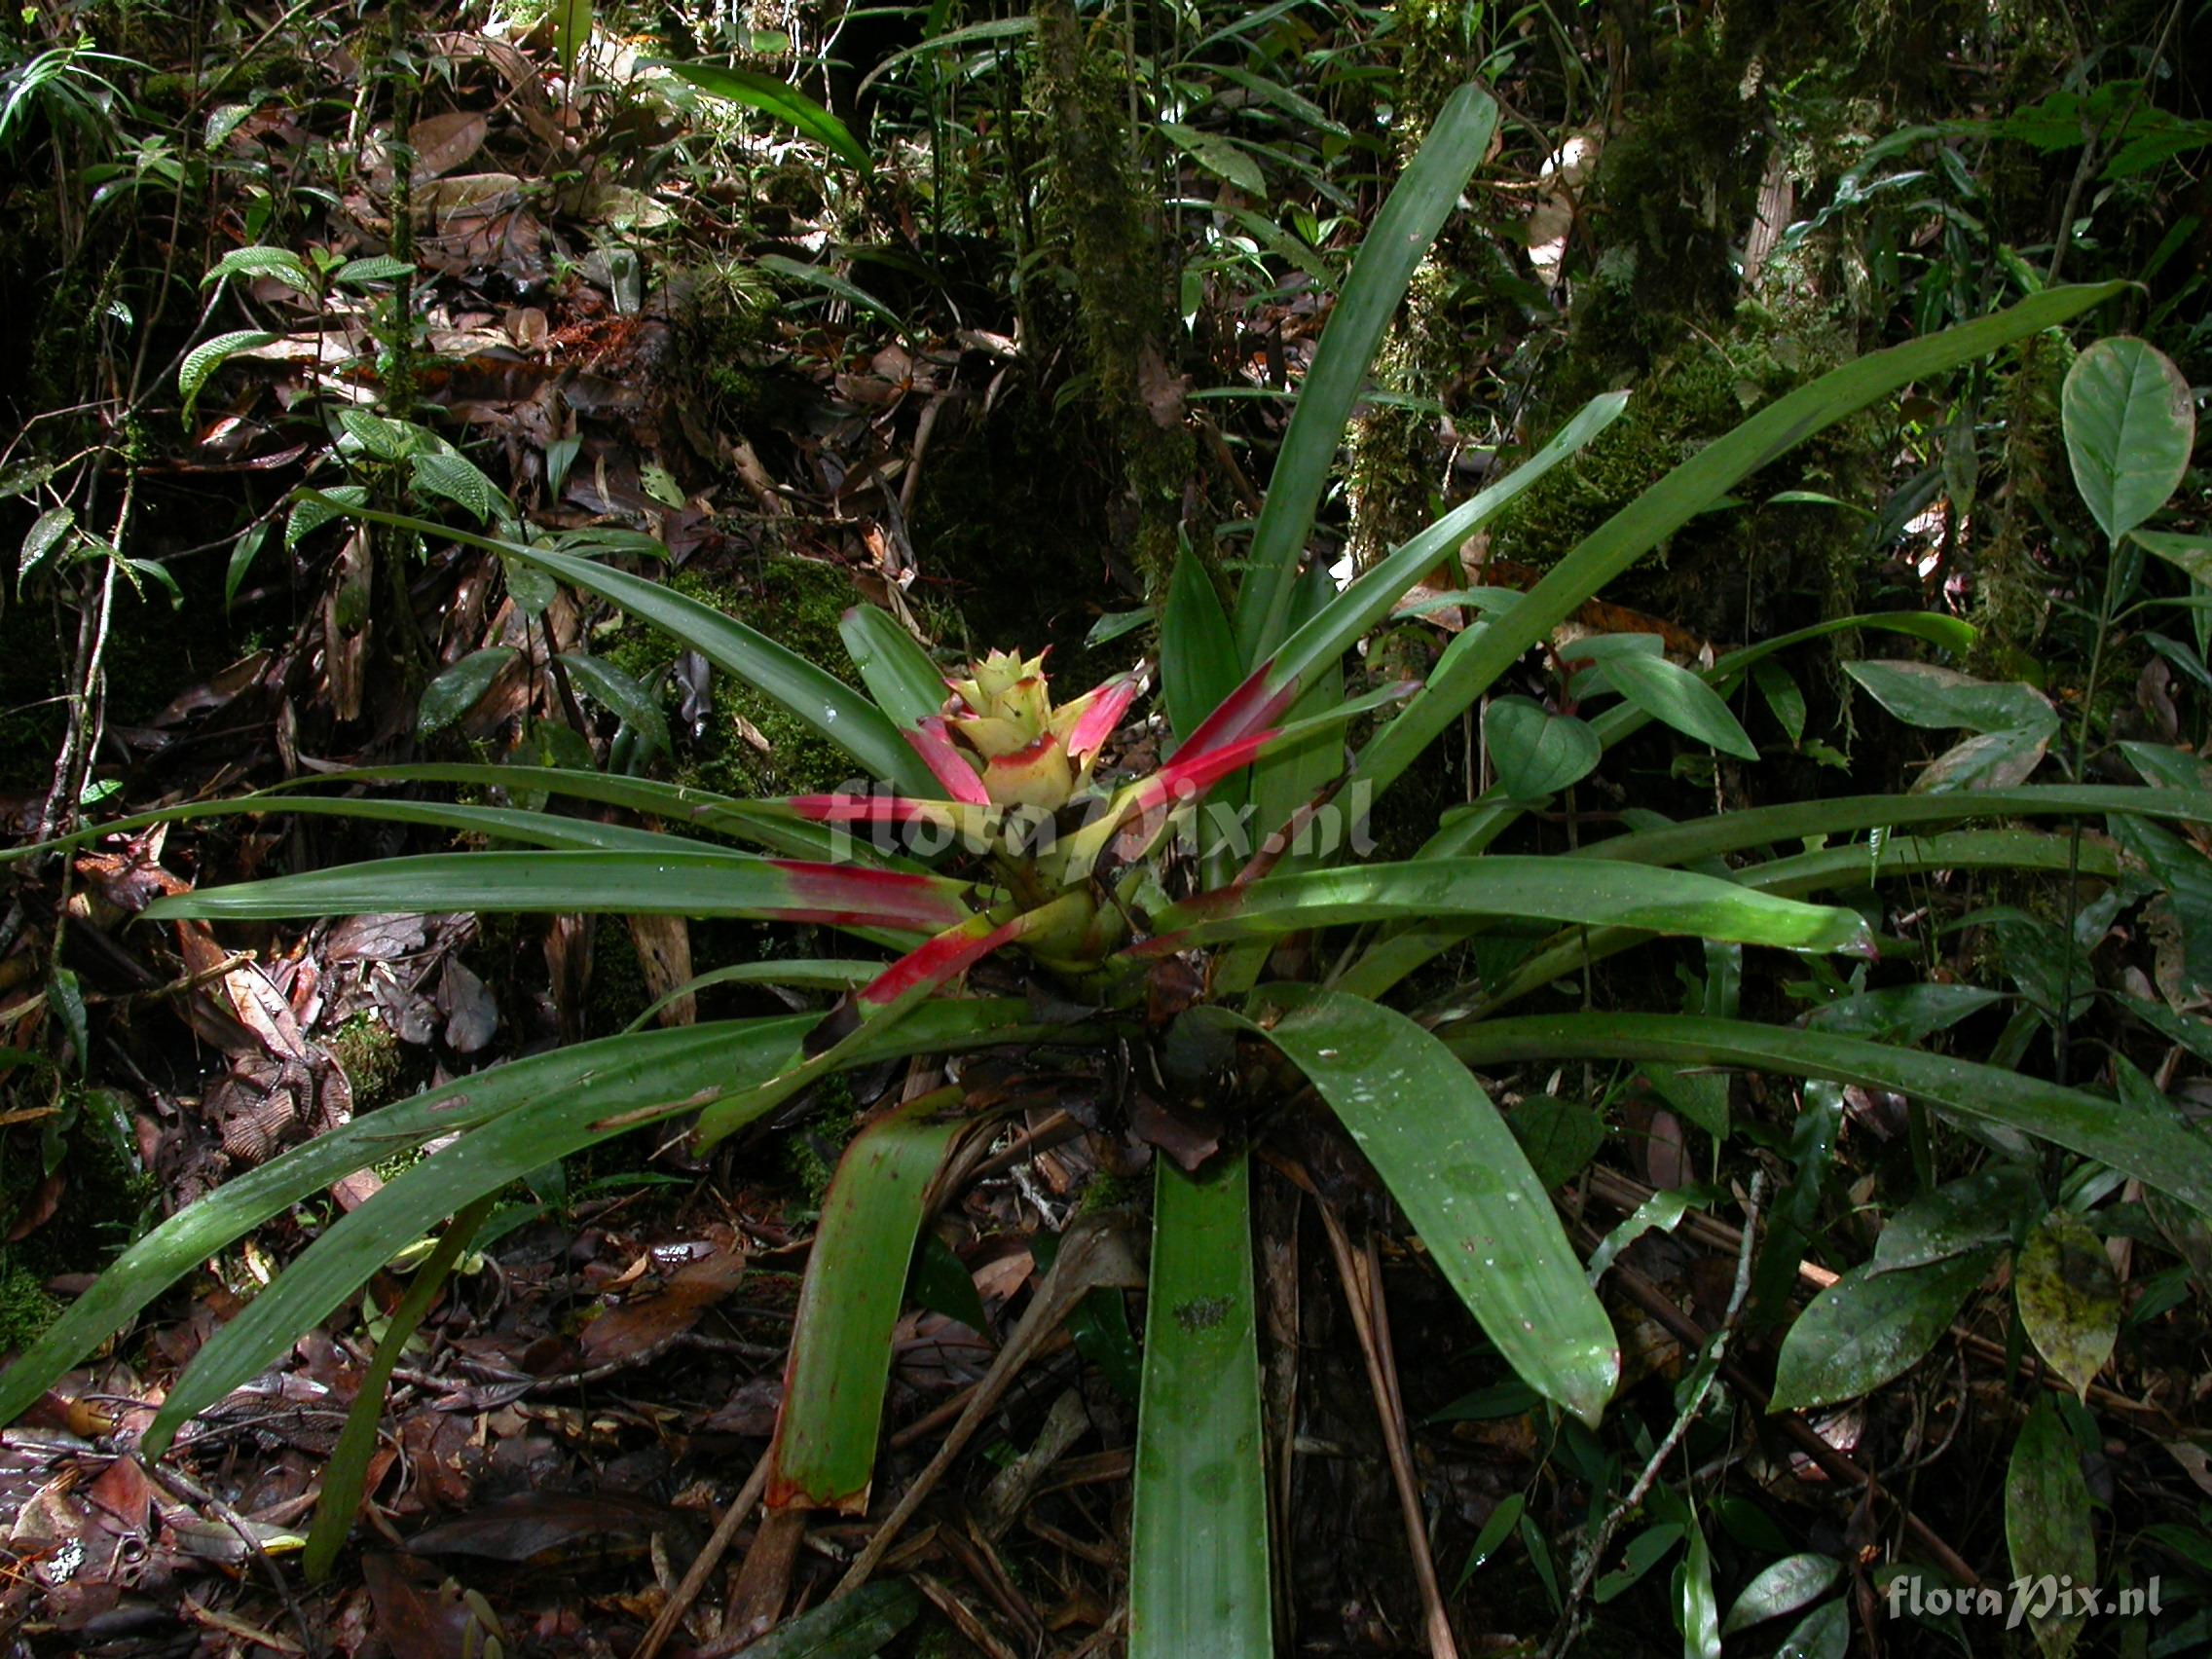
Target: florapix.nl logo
x=2044, y=1596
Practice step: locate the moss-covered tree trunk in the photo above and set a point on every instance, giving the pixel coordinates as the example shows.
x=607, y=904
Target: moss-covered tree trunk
x=1122, y=282
x=1394, y=459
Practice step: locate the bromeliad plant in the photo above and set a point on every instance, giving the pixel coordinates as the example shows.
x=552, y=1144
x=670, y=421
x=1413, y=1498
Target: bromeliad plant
x=999, y=823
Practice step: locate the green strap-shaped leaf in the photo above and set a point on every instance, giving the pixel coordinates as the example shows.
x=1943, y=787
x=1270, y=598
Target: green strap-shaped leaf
x=1198, y=1539
x=2129, y=428
x=2159, y=1152
x=820, y=700
x=1197, y=654
x=848, y=1306
x=345, y=1475
x=1793, y=821
x=1684, y=493
x=1462, y=1178
x=1585, y=892
x=897, y=672
x=1369, y=599
x=1847, y=866
x=527, y=1136
x=700, y=809
x=1399, y=239
x=779, y=98
x=679, y=881
x=624, y=1074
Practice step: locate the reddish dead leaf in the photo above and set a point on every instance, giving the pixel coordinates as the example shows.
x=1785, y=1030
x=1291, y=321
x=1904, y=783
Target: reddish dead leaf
x=411, y=1617
x=38, y=1209
x=124, y=1494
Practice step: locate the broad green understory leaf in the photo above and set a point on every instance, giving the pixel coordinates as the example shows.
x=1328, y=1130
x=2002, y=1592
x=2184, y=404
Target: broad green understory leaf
x=2160, y=1151
x=1871, y=1326
x=2069, y=1297
x=848, y=1306
x=2129, y=428
x=1198, y=1538
x=2013, y=725
x=1781, y=1588
x=1448, y=1159
x=856, y=1626
x=2046, y=1526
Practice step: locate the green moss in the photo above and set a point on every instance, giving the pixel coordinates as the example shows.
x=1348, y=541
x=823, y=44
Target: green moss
x=369, y=1053
x=797, y=602
x=722, y=316
x=26, y=1307
x=2012, y=594
x=1720, y=575
x=107, y=1200
x=808, y=1155
x=618, y=989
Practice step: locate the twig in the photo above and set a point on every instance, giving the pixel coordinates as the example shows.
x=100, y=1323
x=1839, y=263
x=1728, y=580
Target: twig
x=1594, y=1554
x=703, y=1567
x=1363, y=1295
x=1833, y=1464
x=187, y=1491
x=1094, y=1253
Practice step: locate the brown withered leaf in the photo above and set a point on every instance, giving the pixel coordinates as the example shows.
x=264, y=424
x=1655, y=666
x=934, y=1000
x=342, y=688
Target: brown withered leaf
x=651, y=1322
x=443, y=142
x=528, y=1525
x=1185, y=1137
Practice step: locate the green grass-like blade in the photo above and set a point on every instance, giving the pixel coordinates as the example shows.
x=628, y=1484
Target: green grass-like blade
x=1463, y=1181
x=819, y=699
x=2159, y=1152
x=347, y=1472
x=1199, y=1540
x=1689, y=490
x=848, y=1306
x=779, y=98
x=1395, y=246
